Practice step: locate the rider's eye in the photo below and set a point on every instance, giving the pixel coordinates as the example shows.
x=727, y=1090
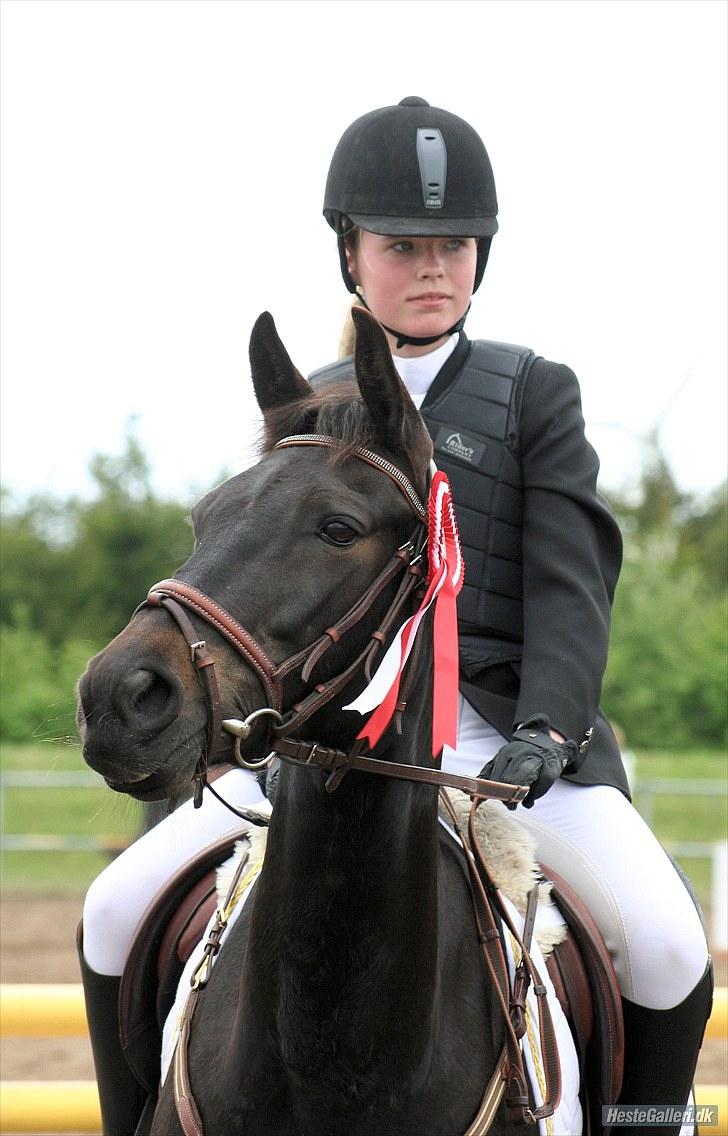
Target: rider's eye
x=338, y=532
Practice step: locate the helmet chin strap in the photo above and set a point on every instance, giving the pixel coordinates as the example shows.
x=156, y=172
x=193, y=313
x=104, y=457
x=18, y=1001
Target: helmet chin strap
x=417, y=340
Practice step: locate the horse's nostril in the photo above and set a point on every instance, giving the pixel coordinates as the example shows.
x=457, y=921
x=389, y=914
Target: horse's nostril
x=148, y=698
x=146, y=686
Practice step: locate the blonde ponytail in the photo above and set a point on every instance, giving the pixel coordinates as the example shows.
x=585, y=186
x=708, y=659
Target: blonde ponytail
x=347, y=337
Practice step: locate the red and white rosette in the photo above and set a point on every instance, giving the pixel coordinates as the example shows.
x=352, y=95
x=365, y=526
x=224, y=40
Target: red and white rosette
x=444, y=582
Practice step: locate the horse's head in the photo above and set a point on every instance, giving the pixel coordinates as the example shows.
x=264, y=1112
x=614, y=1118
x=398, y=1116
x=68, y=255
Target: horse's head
x=286, y=549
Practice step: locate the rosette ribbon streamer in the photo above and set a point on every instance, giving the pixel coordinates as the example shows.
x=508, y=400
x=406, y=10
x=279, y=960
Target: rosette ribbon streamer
x=444, y=581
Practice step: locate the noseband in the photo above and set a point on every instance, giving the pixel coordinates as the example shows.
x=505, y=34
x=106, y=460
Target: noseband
x=178, y=597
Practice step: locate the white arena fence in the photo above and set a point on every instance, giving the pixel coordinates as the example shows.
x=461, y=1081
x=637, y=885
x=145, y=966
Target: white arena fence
x=646, y=791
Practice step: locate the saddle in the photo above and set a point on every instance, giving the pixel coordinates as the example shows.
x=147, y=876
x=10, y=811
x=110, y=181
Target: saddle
x=168, y=932
x=579, y=967
x=586, y=985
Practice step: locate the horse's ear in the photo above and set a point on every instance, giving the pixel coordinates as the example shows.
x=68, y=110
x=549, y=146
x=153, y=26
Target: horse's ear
x=390, y=407
x=275, y=379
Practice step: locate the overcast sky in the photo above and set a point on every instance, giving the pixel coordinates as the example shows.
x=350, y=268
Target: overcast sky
x=163, y=165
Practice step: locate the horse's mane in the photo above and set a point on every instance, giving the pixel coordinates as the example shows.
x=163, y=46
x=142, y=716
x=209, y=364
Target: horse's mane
x=337, y=411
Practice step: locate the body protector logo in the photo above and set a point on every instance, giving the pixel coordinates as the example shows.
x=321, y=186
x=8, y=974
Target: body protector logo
x=458, y=445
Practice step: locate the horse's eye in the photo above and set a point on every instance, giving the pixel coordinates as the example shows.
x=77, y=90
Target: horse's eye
x=338, y=532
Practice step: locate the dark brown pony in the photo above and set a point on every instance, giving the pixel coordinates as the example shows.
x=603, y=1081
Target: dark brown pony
x=350, y=999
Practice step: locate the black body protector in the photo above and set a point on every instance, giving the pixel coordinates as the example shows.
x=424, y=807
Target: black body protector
x=486, y=483
x=481, y=385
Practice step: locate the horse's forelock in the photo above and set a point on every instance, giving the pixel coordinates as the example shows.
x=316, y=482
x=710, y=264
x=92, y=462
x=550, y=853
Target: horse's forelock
x=338, y=411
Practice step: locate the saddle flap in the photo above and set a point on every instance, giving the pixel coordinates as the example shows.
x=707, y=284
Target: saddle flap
x=155, y=961
x=184, y=931
x=571, y=984
x=605, y=1048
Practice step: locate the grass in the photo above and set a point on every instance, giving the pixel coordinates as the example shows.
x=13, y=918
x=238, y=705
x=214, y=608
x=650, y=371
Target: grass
x=98, y=812
x=88, y=812
x=681, y=818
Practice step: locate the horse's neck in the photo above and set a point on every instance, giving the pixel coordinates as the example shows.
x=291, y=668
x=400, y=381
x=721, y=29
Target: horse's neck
x=349, y=894
x=373, y=838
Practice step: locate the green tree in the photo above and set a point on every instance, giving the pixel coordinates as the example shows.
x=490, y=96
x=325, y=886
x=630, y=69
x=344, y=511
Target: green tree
x=703, y=540
x=72, y=574
x=38, y=682
x=79, y=568
x=666, y=681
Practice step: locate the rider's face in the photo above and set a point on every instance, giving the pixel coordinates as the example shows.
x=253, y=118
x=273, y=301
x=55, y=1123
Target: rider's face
x=417, y=285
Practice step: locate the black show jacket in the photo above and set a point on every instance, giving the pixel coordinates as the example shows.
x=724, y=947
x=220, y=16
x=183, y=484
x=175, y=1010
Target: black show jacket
x=542, y=550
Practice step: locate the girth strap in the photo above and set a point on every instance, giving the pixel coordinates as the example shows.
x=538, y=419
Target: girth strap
x=492, y=1097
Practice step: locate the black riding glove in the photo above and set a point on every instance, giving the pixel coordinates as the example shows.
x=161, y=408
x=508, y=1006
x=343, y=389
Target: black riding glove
x=531, y=758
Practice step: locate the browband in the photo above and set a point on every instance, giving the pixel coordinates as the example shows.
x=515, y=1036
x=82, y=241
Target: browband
x=402, y=482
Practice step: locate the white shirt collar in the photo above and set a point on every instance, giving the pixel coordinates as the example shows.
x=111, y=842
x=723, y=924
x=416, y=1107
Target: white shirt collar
x=418, y=372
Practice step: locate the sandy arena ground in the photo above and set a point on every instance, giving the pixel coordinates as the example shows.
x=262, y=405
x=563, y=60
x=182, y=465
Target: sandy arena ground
x=37, y=944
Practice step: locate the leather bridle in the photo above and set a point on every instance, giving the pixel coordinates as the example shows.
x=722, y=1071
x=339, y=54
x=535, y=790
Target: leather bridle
x=177, y=598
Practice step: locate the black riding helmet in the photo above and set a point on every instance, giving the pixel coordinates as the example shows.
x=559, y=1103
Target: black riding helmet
x=412, y=170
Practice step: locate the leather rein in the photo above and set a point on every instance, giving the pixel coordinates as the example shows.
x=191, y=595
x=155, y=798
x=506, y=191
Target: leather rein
x=178, y=598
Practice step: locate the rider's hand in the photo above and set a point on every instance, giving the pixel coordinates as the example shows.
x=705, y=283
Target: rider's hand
x=533, y=757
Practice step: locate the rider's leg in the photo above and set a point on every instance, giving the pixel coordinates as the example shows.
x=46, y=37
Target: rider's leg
x=597, y=841
x=118, y=897
x=114, y=904
x=601, y=845
x=592, y=836
x=121, y=1097
x=661, y=1049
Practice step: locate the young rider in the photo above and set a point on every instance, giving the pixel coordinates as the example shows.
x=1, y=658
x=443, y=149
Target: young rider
x=411, y=197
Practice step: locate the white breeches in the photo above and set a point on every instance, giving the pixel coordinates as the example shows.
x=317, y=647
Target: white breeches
x=593, y=837
x=119, y=896
x=589, y=834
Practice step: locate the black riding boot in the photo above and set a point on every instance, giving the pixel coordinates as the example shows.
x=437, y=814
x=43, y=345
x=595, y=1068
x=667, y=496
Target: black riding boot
x=661, y=1053
x=122, y=1097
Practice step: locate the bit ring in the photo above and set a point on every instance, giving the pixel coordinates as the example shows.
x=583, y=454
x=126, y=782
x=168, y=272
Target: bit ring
x=242, y=730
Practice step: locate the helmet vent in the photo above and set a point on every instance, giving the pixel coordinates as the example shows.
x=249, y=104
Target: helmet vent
x=432, y=159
